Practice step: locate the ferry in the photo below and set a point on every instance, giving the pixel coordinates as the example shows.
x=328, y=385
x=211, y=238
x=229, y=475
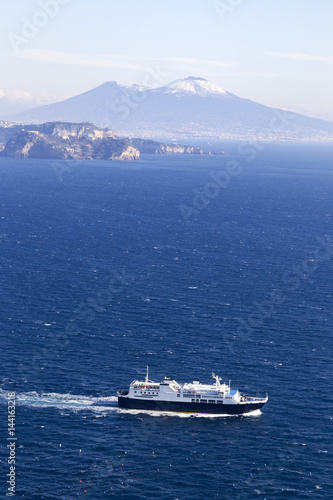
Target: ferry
x=194, y=397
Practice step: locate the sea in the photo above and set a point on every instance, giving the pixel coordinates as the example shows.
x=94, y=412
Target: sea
x=188, y=264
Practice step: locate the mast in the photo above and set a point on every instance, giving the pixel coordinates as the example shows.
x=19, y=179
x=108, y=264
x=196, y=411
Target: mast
x=147, y=375
x=217, y=379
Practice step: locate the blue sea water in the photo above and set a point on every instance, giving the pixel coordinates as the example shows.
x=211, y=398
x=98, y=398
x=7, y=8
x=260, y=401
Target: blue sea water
x=107, y=267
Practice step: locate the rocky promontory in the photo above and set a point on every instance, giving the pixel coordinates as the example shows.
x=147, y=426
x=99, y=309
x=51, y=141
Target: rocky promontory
x=34, y=144
x=147, y=146
x=81, y=141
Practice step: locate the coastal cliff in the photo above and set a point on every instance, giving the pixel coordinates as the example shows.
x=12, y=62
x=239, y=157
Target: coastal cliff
x=34, y=144
x=154, y=147
x=81, y=141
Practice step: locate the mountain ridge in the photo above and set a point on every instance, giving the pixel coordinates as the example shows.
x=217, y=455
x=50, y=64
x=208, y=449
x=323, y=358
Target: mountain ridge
x=188, y=108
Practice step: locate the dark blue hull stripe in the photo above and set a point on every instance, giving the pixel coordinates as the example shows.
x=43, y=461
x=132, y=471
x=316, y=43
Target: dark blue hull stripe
x=179, y=406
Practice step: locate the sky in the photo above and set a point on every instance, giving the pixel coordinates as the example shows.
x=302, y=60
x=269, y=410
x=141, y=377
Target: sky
x=276, y=52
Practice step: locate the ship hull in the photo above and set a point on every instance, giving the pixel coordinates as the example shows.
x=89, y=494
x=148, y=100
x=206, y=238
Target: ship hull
x=184, y=407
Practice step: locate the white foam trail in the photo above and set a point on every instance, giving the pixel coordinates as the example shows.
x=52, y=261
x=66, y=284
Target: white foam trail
x=157, y=413
x=254, y=413
x=62, y=401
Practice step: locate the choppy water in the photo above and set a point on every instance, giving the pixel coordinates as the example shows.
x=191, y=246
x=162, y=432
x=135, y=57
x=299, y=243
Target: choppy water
x=103, y=273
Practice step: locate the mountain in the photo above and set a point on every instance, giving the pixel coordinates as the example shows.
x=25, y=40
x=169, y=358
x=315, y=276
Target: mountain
x=80, y=141
x=327, y=116
x=194, y=86
x=188, y=108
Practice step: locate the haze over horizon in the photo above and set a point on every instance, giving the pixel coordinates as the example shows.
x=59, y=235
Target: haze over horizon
x=277, y=54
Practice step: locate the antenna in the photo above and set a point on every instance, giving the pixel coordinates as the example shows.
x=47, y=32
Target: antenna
x=147, y=375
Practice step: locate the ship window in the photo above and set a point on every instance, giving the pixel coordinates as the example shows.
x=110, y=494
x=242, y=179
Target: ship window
x=135, y=392
x=203, y=400
x=221, y=402
x=178, y=395
x=211, y=401
x=193, y=400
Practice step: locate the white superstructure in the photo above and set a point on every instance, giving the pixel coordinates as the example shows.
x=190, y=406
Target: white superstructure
x=171, y=391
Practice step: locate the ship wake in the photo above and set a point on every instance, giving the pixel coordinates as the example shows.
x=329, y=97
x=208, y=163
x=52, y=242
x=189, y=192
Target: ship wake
x=68, y=401
x=157, y=413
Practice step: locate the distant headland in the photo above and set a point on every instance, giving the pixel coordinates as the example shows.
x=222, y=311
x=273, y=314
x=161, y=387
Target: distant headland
x=78, y=141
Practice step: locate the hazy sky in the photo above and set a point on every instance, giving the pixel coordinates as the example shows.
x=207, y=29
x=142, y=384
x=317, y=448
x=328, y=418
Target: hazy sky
x=277, y=52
